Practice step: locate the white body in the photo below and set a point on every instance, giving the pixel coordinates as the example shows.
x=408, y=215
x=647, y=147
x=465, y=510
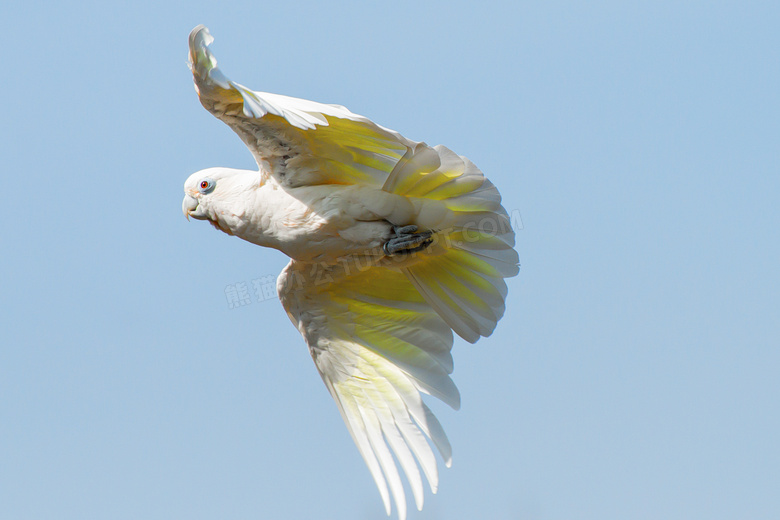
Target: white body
x=330, y=188
x=307, y=223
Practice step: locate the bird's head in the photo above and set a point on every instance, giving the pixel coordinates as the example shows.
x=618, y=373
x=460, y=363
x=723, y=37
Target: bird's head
x=218, y=195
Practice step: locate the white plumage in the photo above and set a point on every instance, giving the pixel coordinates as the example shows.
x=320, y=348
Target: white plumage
x=333, y=191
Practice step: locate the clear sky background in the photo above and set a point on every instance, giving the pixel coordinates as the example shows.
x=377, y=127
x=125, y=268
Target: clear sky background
x=634, y=375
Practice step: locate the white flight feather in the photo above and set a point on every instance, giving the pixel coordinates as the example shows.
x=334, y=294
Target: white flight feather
x=377, y=384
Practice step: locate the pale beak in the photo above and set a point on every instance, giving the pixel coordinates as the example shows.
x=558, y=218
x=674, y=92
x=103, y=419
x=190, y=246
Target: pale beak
x=189, y=207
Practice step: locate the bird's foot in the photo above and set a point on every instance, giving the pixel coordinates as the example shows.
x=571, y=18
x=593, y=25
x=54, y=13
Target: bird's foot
x=407, y=240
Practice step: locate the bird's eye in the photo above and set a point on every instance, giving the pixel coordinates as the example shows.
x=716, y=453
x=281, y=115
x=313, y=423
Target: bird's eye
x=206, y=186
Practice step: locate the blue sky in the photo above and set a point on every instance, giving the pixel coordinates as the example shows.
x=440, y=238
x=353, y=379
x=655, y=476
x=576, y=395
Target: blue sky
x=635, y=374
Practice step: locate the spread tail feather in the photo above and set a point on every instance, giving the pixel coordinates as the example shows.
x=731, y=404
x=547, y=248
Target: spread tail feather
x=462, y=275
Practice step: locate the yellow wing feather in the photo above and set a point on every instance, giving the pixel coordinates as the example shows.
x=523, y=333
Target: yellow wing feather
x=299, y=142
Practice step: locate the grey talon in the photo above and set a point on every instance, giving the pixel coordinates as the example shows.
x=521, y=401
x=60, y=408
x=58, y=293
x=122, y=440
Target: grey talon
x=407, y=240
x=404, y=230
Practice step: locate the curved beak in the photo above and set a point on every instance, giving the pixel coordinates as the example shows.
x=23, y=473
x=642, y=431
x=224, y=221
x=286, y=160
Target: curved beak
x=189, y=207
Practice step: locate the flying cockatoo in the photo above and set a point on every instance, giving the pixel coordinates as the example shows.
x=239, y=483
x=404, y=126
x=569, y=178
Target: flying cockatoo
x=393, y=244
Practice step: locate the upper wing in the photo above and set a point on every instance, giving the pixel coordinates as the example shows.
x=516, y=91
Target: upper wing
x=297, y=141
x=377, y=344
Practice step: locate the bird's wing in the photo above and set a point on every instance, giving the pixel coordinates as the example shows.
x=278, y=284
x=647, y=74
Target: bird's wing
x=297, y=141
x=377, y=344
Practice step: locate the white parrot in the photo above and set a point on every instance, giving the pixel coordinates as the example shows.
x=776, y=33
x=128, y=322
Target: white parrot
x=394, y=245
